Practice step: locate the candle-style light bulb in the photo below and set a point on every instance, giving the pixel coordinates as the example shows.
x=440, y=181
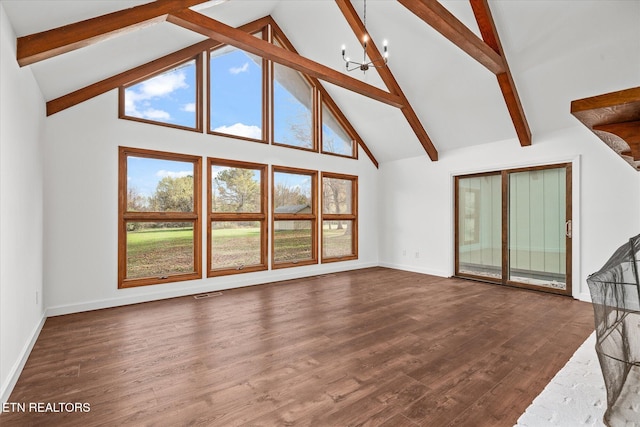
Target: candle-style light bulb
x=385, y=49
x=344, y=49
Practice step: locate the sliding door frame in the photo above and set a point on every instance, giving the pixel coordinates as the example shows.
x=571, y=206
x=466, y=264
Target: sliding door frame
x=457, y=229
x=568, y=237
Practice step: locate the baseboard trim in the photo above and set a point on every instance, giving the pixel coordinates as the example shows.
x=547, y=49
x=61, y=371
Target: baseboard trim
x=583, y=296
x=413, y=269
x=16, y=370
x=229, y=283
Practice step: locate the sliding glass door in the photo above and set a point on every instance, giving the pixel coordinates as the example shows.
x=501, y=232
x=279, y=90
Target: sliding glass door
x=537, y=227
x=513, y=227
x=479, y=227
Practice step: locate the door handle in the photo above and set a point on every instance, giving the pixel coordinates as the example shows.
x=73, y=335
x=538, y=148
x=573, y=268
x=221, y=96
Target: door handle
x=568, y=228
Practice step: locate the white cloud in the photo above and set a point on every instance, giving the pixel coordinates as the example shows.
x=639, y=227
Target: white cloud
x=238, y=70
x=163, y=85
x=157, y=87
x=189, y=108
x=240, y=129
x=153, y=114
x=180, y=174
x=130, y=104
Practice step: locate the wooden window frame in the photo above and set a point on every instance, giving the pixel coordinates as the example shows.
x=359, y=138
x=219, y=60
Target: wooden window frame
x=260, y=217
x=326, y=101
x=265, y=95
x=198, y=100
x=125, y=216
x=320, y=95
x=504, y=280
x=313, y=217
x=457, y=228
x=284, y=43
x=353, y=216
x=270, y=32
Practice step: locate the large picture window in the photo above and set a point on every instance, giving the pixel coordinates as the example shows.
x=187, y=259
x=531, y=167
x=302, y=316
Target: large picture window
x=171, y=97
x=294, y=238
x=237, y=231
x=339, y=217
x=159, y=221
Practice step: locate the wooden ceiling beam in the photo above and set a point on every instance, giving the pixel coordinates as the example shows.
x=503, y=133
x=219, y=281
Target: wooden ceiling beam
x=216, y=30
x=47, y=44
x=505, y=79
x=142, y=71
x=84, y=94
x=444, y=22
x=389, y=80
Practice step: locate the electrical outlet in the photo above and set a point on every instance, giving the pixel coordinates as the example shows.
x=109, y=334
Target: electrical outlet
x=417, y=254
x=36, y=297
x=404, y=252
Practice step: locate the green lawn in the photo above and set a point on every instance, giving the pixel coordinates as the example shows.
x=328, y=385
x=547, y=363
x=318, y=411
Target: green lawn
x=335, y=243
x=141, y=239
x=159, y=252
x=292, y=245
x=235, y=247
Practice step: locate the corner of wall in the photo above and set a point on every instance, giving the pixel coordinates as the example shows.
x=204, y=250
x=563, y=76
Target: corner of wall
x=22, y=114
x=16, y=369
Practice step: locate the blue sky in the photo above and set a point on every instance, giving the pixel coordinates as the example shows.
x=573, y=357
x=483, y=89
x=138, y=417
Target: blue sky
x=168, y=98
x=215, y=170
x=294, y=180
x=145, y=173
x=236, y=107
x=236, y=93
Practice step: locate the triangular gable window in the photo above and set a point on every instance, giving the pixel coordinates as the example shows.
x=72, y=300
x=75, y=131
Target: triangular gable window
x=335, y=139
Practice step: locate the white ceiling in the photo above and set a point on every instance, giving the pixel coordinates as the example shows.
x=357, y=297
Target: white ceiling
x=558, y=51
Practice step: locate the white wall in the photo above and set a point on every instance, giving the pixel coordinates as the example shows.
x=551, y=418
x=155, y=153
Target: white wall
x=81, y=210
x=21, y=126
x=416, y=218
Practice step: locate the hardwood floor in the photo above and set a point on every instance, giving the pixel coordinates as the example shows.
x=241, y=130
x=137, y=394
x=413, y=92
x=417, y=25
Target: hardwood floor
x=369, y=347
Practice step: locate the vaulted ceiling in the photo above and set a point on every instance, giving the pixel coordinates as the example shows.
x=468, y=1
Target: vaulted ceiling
x=556, y=50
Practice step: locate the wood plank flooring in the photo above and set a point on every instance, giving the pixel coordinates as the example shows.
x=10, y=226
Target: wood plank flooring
x=375, y=347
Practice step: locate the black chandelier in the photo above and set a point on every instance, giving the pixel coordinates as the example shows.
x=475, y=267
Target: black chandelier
x=365, y=65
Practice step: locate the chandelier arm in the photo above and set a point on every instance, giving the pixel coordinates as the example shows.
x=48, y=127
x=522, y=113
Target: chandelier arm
x=364, y=65
x=375, y=61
